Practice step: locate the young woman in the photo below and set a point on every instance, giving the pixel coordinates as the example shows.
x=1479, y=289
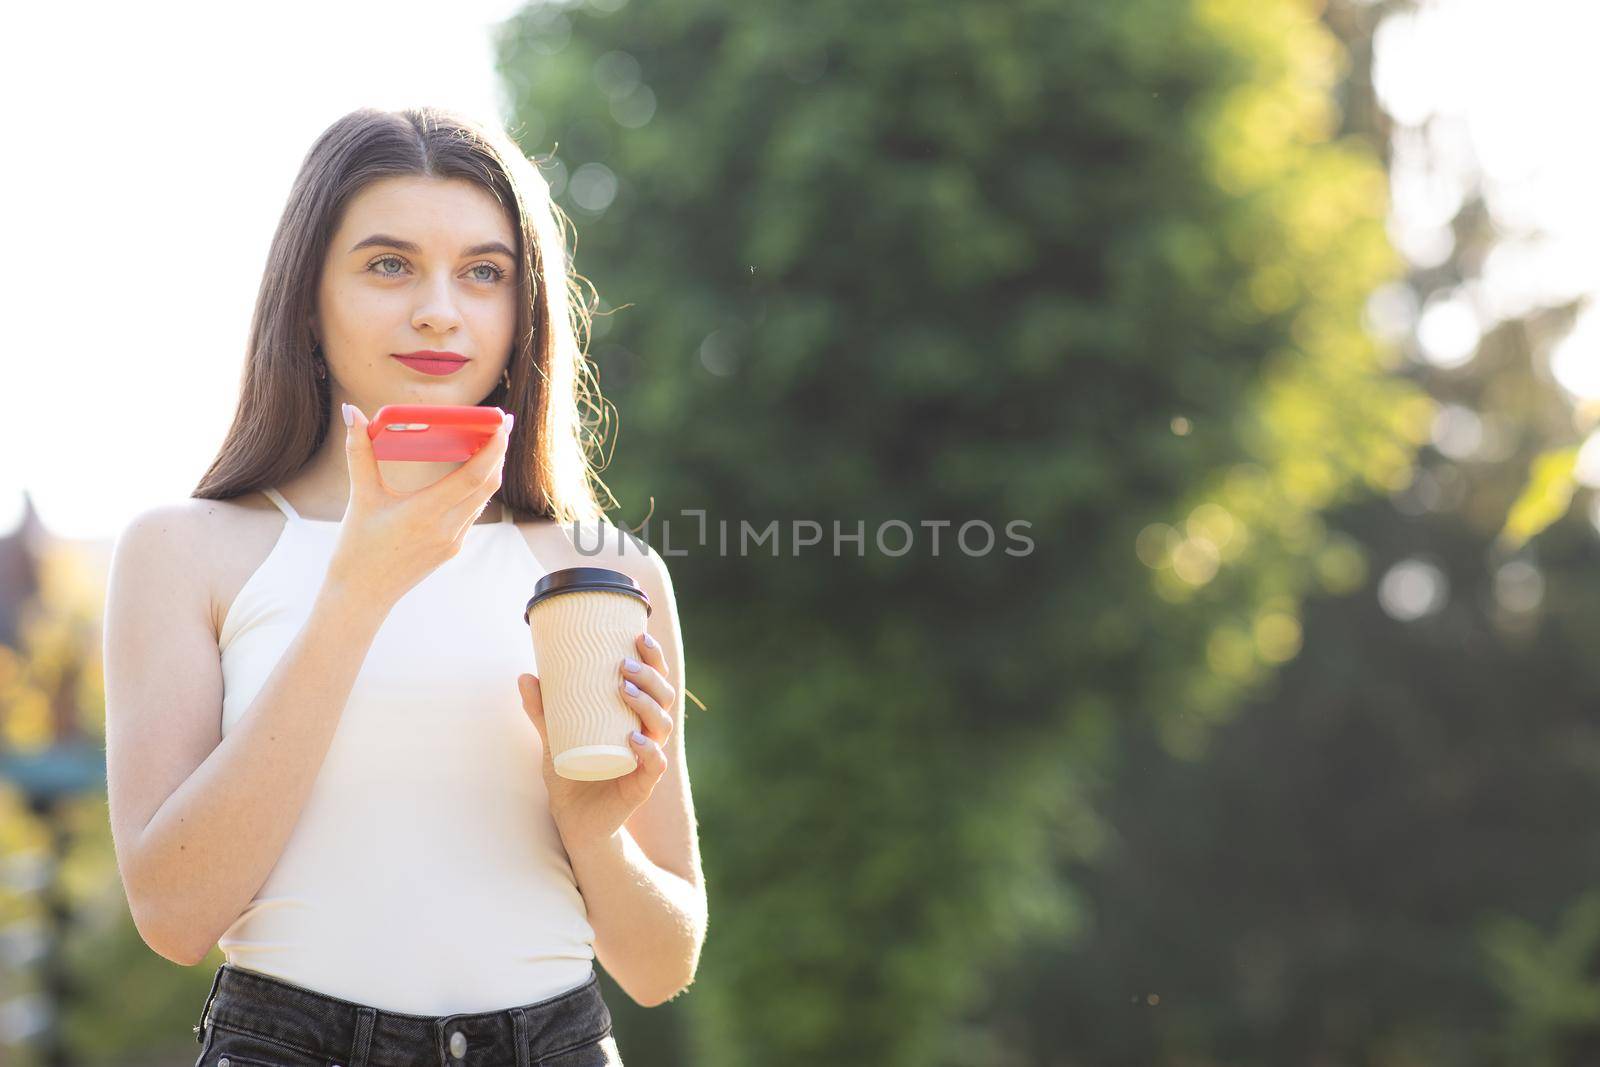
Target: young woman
x=324, y=749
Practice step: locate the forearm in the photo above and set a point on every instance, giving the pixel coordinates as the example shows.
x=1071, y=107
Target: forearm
x=651, y=921
x=212, y=844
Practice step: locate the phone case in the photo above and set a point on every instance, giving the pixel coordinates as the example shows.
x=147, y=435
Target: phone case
x=438, y=433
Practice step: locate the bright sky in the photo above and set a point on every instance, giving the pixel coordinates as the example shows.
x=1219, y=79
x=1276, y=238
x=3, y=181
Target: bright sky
x=1500, y=93
x=156, y=147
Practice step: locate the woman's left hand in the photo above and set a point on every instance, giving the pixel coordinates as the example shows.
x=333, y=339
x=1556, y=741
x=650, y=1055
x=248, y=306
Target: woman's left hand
x=590, y=812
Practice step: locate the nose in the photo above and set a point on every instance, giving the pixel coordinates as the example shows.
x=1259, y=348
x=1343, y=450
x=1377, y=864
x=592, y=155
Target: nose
x=436, y=310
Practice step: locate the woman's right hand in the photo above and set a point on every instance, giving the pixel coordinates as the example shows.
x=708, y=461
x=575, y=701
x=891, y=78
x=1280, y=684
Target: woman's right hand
x=388, y=541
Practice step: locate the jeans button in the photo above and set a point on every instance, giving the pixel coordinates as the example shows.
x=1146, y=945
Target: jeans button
x=223, y=1062
x=458, y=1044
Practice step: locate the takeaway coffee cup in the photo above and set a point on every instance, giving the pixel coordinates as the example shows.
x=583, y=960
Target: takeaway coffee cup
x=584, y=620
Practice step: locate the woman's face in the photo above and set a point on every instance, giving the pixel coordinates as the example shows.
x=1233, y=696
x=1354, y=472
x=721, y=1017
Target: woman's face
x=409, y=270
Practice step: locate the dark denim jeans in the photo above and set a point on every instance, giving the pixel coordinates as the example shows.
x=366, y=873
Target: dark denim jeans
x=256, y=1020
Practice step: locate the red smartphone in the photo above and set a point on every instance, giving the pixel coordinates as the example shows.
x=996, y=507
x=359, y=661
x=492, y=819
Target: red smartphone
x=437, y=433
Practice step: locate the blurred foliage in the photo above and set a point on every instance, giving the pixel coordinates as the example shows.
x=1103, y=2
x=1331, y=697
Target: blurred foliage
x=1546, y=498
x=52, y=683
x=124, y=998
x=1548, y=979
x=1099, y=268
x=1386, y=858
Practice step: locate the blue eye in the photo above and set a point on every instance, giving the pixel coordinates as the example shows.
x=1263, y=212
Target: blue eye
x=498, y=274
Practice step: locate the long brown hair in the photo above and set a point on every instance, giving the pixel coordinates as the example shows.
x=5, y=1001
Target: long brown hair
x=284, y=408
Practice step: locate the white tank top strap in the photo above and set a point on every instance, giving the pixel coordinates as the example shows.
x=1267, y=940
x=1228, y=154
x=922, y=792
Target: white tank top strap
x=283, y=505
x=505, y=514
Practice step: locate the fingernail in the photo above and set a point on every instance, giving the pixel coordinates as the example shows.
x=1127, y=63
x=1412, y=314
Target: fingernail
x=349, y=416
x=638, y=739
x=632, y=689
x=630, y=665
x=649, y=641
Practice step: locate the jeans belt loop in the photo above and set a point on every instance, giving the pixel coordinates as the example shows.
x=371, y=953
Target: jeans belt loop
x=205, y=1012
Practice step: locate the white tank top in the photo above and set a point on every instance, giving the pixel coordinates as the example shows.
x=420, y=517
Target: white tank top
x=425, y=874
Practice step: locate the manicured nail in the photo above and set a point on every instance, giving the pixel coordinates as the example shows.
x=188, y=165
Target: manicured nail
x=349, y=416
x=630, y=665
x=639, y=739
x=649, y=641
x=632, y=689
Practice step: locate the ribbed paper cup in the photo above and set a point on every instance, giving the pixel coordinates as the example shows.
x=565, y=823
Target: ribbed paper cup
x=583, y=621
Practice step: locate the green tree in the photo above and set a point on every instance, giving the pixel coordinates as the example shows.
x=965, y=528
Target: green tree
x=1099, y=268
x=1386, y=857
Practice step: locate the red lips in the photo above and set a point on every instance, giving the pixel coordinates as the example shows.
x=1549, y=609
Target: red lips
x=434, y=363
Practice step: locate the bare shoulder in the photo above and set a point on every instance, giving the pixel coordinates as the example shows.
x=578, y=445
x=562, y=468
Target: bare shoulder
x=151, y=548
x=594, y=543
x=218, y=543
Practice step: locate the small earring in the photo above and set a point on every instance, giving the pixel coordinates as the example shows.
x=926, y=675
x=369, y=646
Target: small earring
x=505, y=378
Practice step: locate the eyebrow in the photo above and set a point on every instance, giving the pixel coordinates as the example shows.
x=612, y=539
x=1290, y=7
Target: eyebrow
x=385, y=241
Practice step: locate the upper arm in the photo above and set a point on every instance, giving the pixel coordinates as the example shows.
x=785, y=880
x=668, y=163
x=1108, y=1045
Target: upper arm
x=163, y=676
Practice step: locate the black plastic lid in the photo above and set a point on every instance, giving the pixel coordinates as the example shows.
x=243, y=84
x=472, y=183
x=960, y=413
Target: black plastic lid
x=582, y=579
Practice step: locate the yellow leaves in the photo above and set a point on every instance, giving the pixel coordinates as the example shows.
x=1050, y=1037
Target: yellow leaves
x=1230, y=651
x=1389, y=468
x=1249, y=136
x=1341, y=565
x=1545, y=498
x=26, y=725
x=1414, y=417
x=1274, y=288
x=1277, y=636
x=1216, y=524
x=1189, y=558
x=1257, y=127
x=1278, y=41
x=57, y=664
x=1240, y=650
